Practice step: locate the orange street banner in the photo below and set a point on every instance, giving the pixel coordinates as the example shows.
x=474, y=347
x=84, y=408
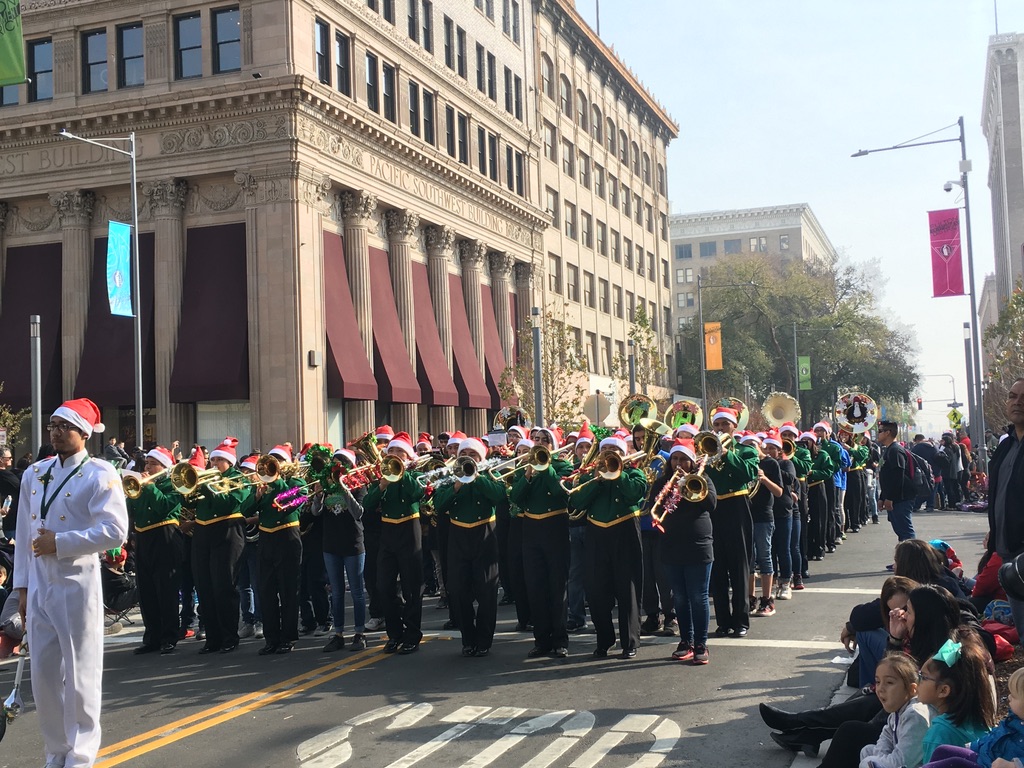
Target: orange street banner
x=713, y=346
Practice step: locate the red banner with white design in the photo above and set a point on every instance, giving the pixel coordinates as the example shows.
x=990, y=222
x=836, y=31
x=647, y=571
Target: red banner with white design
x=947, y=263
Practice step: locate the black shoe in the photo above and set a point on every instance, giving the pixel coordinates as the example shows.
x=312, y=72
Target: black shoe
x=796, y=742
x=442, y=603
x=392, y=646
x=650, y=625
x=209, y=649
x=507, y=599
x=468, y=650
x=721, y=632
x=480, y=652
x=268, y=650
x=450, y=624
x=307, y=629
x=739, y=632
x=830, y=550
x=561, y=652
x=537, y=652
x=284, y=648
x=167, y=648
x=874, y=521
x=408, y=648
x=778, y=719
x=628, y=653
x=600, y=653
x=229, y=647
x=146, y=649
x=816, y=558
x=521, y=627
x=336, y=643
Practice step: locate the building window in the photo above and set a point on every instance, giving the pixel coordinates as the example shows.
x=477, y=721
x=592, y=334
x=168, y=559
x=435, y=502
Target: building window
x=463, y=139
x=481, y=68
x=596, y=124
x=680, y=276
x=449, y=43
x=509, y=166
x=585, y=170
x=708, y=249
x=599, y=181
x=489, y=9
x=634, y=153
x=667, y=312
x=508, y=90
x=783, y=242
x=388, y=87
x=630, y=306
x=551, y=203
x=389, y=11
x=428, y=118
x=613, y=191
x=664, y=226
x=227, y=40
x=645, y=167
x=587, y=229
x=610, y=129
x=627, y=251
x=690, y=299
x=188, y=47
x=639, y=260
x=661, y=179
x=94, y=61
x=460, y=52
x=428, y=25
x=638, y=209
x=617, y=300
x=570, y=220
x=616, y=248
x=649, y=212
x=547, y=77
x=323, y=54
x=342, y=65
x=652, y=273
x=554, y=274
x=664, y=273
x=520, y=173
x=588, y=290
x=372, y=83
x=449, y=128
x=572, y=282
x=681, y=300
x=684, y=251
x=652, y=315
x=565, y=95
x=506, y=17
x=515, y=22
x=606, y=349
x=518, y=85
x=568, y=158
x=758, y=245
x=414, y=108
x=40, y=70
x=131, y=51
x=492, y=159
x=8, y=96
x=481, y=150
x=591, y=352
x=602, y=295
x=492, y=78
x=733, y=246
x=627, y=201
x=602, y=238
x=623, y=148
x=582, y=111
x=550, y=138
x=414, y=20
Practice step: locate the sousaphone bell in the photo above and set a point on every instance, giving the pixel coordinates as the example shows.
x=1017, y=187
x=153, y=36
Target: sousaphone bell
x=856, y=413
x=780, y=407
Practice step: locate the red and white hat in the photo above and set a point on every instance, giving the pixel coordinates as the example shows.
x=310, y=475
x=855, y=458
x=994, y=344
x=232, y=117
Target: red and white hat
x=553, y=434
x=774, y=438
x=808, y=436
x=823, y=425
x=162, y=455
x=519, y=431
x=614, y=442
x=198, y=458
x=426, y=439
x=725, y=413
x=623, y=433
x=82, y=414
x=473, y=444
x=789, y=428
x=686, y=430
x=226, y=450
x=403, y=441
x=384, y=432
x=685, y=447
x=525, y=443
x=249, y=462
x=456, y=437
x=283, y=452
x=345, y=453
x=750, y=439
x=586, y=435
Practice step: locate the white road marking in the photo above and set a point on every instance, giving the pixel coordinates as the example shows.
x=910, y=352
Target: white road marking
x=410, y=717
x=580, y=725
x=635, y=723
x=547, y=720
x=332, y=758
x=326, y=740
x=574, y=729
x=379, y=713
x=433, y=745
x=599, y=750
x=465, y=714
x=666, y=734
x=501, y=716
x=489, y=754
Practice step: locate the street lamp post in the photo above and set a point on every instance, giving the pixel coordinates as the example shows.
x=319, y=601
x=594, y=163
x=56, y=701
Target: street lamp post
x=632, y=369
x=136, y=290
x=538, y=396
x=37, y=382
x=974, y=372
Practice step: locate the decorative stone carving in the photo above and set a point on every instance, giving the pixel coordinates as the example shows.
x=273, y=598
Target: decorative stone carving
x=74, y=208
x=402, y=225
x=502, y=264
x=330, y=143
x=240, y=133
x=247, y=35
x=440, y=240
x=41, y=217
x=357, y=208
x=316, y=193
x=166, y=198
x=156, y=50
x=525, y=273
x=4, y=210
x=214, y=198
x=472, y=254
x=261, y=191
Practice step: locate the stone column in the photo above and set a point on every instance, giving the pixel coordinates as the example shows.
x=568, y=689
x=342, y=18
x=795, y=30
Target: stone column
x=4, y=211
x=403, y=230
x=501, y=284
x=166, y=202
x=525, y=272
x=439, y=255
x=357, y=211
x=472, y=253
x=74, y=210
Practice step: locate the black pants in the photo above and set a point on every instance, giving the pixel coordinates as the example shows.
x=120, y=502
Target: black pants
x=314, y=604
x=517, y=572
x=833, y=529
x=501, y=526
x=371, y=542
x=801, y=567
x=733, y=547
x=614, y=574
x=400, y=556
x=855, y=502
x=545, y=564
x=280, y=563
x=216, y=560
x=444, y=525
x=187, y=585
x=657, y=584
x=473, y=577
x=158, y=555
x=817, y=508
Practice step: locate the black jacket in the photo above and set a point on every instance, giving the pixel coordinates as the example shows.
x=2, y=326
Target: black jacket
x=894, y=483
x=1012, y=534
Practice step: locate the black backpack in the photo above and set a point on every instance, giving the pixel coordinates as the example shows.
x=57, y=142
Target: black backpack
x=921, y=477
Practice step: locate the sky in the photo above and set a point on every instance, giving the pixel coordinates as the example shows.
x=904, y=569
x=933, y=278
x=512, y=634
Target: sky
x=772, y=98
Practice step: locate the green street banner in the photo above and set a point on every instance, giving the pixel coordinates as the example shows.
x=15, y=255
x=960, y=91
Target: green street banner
x=12, y=47
x=804, y=372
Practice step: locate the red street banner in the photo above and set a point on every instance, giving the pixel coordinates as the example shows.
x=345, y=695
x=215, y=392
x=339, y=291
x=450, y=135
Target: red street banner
x=947, y=267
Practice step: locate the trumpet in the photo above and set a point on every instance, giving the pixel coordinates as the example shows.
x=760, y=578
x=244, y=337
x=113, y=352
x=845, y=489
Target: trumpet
x=271, y=468
x=392, y=469
x=133, y=485
x=607, y=466
x=710, y=445
x=466, y=469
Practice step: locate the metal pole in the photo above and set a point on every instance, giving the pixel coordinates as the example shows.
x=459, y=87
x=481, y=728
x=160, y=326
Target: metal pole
x=978, y=418
x=703, y=341
x=597, y=406
x=136, y=300
x=538, y=398
x=37, y=384
x=632, y=369
x=971, y=402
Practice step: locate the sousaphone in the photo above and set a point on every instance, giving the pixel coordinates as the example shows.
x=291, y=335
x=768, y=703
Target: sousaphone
x=780, y=407
x=511, y=416
x=855, y=412
x=743, y=415
x=636, y=407
x=684, y=412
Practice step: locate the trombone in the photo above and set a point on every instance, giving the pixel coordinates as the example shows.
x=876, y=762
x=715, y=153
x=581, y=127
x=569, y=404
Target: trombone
x=133, y=484
x=271, y=468
x=187, y=480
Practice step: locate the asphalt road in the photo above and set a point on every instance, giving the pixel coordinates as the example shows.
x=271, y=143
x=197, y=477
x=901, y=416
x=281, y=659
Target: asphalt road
x=434, y=707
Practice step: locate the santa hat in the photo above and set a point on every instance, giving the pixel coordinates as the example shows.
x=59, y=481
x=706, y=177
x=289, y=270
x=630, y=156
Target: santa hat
x=623, y=433
x=456, y=437
x=808, y=436
x=162, y=455
x=82, y=414
x=474, y=445
x=403, y=441
x=686, y=430
x=525, y=443
x=789, y=428
x=586, y=435
x=226, y=450
x=774, y=438
x=519, y=431
x=345, y=453
x=249, y=462
x=614, y=442
x=198, y=458
x=823, y=425
x=685, y=447
x=725, y=413
x=572, y=436
x=750, y=439
x=554, y=434
x=426, y=439
x=284, y=453
x=384, y=432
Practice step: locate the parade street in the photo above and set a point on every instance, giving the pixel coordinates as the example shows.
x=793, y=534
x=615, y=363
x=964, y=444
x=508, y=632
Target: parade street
x=437, y=708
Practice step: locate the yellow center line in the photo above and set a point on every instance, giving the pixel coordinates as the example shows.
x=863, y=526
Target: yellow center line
x=208, y=718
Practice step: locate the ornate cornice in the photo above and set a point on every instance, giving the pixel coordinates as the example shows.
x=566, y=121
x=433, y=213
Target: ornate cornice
x=403, y=226
x=74, y=208
x=502, y=264
x=166, y=199
x=357, y=208
x=440, y=240
x=226, y=134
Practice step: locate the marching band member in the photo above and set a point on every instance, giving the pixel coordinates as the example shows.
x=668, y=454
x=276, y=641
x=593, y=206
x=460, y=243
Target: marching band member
x=158, y=554
x=733, y=529
x=613, y=558
x=834, y=518
x=798, y=540
x=71, y=508
x=384, y=434
x=400, y=554
x=345, y=556
x=517, y=576
x=818, y=479
x=249, y=563
x=280, y=548
x=472, y=550
x=216, y=548
x=856, y=494
x=577, y=600
x=762, y=515
x=783, y=507
x=424, y=444
x=545, y=521
x=515, y=434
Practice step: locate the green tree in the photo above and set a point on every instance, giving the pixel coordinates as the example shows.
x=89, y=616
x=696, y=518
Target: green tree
x=12, y=420
x=647, y=360
x=564, y=379
x=1004, y=349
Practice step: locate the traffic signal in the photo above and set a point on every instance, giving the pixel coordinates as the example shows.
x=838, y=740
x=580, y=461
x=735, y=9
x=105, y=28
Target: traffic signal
x=920, y=404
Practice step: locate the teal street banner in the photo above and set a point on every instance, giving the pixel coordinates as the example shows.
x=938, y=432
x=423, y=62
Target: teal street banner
x=119, y=270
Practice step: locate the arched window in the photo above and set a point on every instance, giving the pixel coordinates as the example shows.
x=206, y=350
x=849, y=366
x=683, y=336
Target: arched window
x=645, y=168
x=634, y=153
x=624, y=148
x=582, y=110
x=547, y=77
x=565, y=91
x=611, y=137
x=661, y=179
x=596, y=124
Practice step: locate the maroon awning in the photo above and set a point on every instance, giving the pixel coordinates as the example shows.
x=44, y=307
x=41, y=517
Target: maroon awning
x=212, y=359
x=107, y=371
x=468, y=378
x=435, y=379
x=32, y=286
x=396, y=380
x=348, y=370
x=494, y=355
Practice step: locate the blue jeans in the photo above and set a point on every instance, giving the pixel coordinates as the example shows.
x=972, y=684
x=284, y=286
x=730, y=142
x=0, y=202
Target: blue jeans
x=577, y=613
x=248, y=584
x=871, y=646
x=781, y=546
x=901, y=518
x=338, y=567
x=763, y=547
x=690, y=594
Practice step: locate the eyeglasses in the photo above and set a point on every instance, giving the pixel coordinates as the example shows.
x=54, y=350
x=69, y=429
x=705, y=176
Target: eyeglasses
x=6, y=458
x=62, y=427
x=922, y=676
